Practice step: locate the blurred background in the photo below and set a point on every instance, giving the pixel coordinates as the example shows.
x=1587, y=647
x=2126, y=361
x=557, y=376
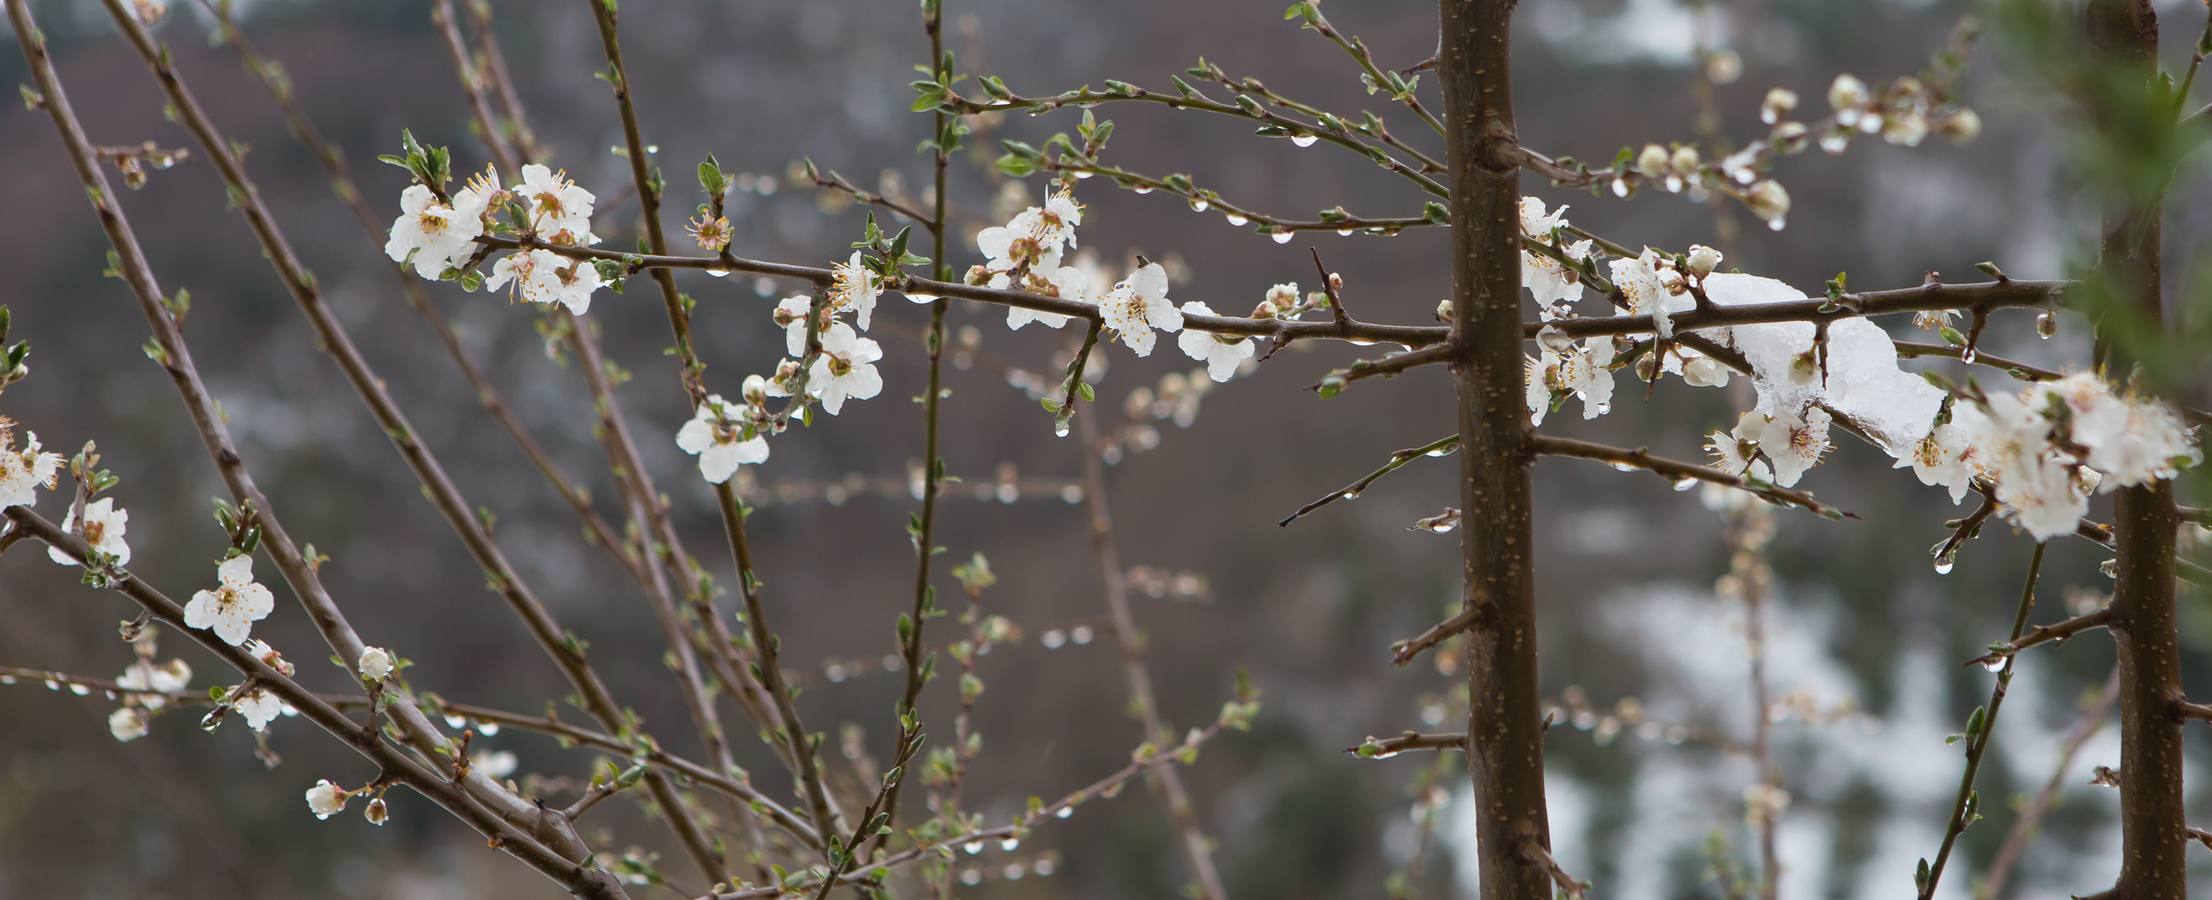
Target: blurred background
x=1864, y=638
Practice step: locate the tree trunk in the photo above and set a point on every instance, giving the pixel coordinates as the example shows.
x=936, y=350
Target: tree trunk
x=2152, y=822
x=1505, y=733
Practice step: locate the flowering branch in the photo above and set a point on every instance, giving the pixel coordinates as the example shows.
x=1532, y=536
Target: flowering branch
x=580, y=878
x=1353, y=331
x=559, y=644
x=342, y=184
x=802, y=745
x=168, y=349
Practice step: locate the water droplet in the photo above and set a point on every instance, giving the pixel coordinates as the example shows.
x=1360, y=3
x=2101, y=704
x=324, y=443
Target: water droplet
x=1775, y=223
x=79, y=690
x=1141, y=189
x=1943, y=565
x=1282, y=237
x=1083, y=176
x=1199, y=206
x=1054, y=639
x=1350, y=495
x=487, y=729
x=453, y=720
x=972, y=847
x=2046, y=325
x=717, y=273
x=1236, y=219
x=1060, y=428
x=1620, y=188
x=1623, y=467
x=1969, y=354
x=1081, y=634
x=1010, y=844
x=1683, y=484
x=1303, y=139
x=1064, y=812
x=651, y=149
x=1996, y=663
x=1344, y=232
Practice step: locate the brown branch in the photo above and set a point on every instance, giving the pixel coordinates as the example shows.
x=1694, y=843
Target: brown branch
x=1385, y=748
x=2044, y=634
x=1675, y=470
x=1980, y=296
x=1404, y=651
x=1442, y=446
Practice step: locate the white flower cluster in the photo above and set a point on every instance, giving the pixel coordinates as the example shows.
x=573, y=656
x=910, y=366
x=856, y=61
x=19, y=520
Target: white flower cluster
x=840, y=366
x=2048, y=447
x=1652, y=284
x=146, y=687
x=1025, y=254
x=436, y=235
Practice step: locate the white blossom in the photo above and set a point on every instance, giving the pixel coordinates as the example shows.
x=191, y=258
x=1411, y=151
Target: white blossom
x=1794, y=444
x=845, y=369
x=1703, y=260
x=1137, y=306
x=1779, y=102
x=23, y=472
x=717, y=435
x=853, y=287
x=1736, y=451
x=103, y=530
x=1651, y=287
x=1581, y=371
x=259, y=706
x=1222, y=353
x=543, y=276
x=558, y=208
x=326, y=799
x=433, y=235
x=375, y=663
x=1548, y=280
x=234, y=605
x=1942, y=459
x=1770, y=201
x=127, y=724
x=155, y=681
x=1848, y=94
